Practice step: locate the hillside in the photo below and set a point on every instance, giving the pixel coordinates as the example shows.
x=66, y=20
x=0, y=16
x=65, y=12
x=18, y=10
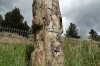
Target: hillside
x=14, y=38
x=76, y=52
x=81, y=53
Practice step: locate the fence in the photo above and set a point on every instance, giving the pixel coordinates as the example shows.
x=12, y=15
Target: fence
x=19, y=55
x=14, y=35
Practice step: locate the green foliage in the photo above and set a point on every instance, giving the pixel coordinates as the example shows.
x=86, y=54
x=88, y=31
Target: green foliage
x=15, y=54
x=72, y=31
x=93, y=35
x=26, y=26
x=14, y=19
x=84, y=54
x=1, y=19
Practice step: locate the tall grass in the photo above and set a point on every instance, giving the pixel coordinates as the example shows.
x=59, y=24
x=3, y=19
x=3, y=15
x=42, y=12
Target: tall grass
x=15, y=54
x=77, y=53
x=84, y=54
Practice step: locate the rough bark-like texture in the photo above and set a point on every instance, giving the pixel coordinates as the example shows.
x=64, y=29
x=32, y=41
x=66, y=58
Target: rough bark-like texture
x=47, y=29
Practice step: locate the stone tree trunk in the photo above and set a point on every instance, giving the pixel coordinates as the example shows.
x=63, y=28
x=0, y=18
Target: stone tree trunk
x=47, y=29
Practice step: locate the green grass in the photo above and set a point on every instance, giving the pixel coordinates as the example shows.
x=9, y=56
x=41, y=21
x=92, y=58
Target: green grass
x=15, y=54
x=84, y=54
x=76, y=54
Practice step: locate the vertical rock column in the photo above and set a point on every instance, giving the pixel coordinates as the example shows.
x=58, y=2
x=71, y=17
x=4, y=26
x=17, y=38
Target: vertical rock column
x=47, y=28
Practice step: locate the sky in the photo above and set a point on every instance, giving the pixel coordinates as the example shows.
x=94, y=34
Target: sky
x=83, y=13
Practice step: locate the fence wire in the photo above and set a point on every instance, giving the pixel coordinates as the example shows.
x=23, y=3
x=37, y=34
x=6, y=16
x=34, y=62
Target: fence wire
x=14, y=35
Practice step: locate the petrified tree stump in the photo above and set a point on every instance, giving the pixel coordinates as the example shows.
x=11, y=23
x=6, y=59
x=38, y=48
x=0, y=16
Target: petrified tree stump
x=47, y=28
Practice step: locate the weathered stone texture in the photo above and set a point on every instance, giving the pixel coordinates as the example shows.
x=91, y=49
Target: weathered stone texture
x=47, y=28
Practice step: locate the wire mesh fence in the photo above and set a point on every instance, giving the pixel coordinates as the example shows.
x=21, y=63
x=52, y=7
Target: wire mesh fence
x=20, y=45
x=14, y=35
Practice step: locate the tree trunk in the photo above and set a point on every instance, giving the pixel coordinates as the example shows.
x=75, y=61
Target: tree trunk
x=47, y=29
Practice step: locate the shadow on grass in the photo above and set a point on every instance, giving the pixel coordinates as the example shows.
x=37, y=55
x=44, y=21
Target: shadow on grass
x=29, y=50
x=99, y=45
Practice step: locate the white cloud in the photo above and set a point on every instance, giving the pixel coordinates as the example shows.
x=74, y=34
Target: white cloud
x=66, y=23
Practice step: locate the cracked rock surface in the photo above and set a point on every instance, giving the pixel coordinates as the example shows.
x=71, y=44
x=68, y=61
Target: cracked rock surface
x=47, y=29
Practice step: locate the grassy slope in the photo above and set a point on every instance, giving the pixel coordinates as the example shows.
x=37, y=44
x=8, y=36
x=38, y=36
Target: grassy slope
x=81, y=53
x=77, y=53
x=15, y=54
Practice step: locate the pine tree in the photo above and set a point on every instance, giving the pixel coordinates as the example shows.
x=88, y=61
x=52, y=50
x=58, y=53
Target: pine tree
x=14, y=19
x=72, y=31
x=1, y=19
x=93, y=35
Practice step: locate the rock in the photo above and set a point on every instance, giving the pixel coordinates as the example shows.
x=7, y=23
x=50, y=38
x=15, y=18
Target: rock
x=47, y=29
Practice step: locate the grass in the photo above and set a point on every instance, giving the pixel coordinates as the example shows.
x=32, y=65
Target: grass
x=15, y=54
x=84, y=54
x=77, y=53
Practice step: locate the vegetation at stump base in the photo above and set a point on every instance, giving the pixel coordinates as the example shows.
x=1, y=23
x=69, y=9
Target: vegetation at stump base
x=14, y=19
x=72, y=32
x=93, y=35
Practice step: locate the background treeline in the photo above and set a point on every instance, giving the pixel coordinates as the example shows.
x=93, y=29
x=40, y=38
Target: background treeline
x=14, y=19
x=72, y=32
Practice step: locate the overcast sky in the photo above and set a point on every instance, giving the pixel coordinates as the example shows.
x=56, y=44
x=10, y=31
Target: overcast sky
x=84, y=13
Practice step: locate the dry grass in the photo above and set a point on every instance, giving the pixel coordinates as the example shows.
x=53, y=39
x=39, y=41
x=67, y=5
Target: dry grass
x=14, y=39
x=5, y=40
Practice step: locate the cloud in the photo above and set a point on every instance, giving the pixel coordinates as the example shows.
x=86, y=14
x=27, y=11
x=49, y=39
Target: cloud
x=6, y=4
x=84, y=13
x=24, y=5
x=26, y=9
